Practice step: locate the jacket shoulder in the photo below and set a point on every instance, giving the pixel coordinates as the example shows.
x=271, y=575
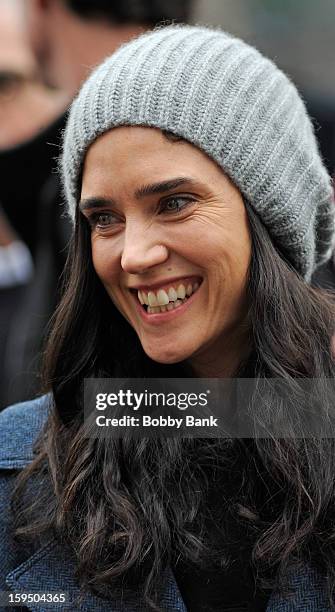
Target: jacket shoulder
x=20, y=425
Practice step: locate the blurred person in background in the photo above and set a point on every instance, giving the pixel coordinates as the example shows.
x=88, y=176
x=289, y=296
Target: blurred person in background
x=27, y=106
x=68, y=38
x=16, y=270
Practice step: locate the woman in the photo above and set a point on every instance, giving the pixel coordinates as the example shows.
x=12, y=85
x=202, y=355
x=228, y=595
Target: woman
x=201, y=208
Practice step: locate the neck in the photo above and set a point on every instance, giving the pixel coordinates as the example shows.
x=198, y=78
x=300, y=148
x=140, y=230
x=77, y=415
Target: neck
x=223, y=359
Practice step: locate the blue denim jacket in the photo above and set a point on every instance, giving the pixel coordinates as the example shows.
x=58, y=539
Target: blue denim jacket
x=50, y=567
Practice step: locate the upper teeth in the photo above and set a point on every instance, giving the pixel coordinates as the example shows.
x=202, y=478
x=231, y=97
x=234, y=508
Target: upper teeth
x=162, y=297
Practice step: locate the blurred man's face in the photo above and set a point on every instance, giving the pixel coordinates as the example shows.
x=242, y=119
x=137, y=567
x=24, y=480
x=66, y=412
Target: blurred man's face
x=36, y=21
x=66, y=47
x=15, y=55
x=26, y=106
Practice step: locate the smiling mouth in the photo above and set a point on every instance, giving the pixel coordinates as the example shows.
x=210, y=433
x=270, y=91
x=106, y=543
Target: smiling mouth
x=168, y=298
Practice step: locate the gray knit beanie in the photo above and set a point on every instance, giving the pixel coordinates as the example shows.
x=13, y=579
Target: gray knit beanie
x=223, y=96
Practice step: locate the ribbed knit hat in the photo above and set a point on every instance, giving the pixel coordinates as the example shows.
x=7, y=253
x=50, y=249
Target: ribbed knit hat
x=223, y=96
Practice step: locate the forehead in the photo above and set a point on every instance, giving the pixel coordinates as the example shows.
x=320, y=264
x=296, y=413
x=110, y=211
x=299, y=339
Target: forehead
x=138, y=154
x=14, y=51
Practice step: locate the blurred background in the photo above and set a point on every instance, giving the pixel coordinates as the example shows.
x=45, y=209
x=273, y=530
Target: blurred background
x=47, y=48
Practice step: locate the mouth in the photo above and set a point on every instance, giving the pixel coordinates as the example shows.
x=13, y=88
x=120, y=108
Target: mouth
x=167, y=297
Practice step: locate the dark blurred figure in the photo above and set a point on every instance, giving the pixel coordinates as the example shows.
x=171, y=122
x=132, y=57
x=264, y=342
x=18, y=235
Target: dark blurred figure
x=323, y=114
x=16, y=270
x=27, y=106
x=68, y=38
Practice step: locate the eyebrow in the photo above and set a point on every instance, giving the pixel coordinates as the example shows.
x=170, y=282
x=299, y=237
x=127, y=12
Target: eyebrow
x=141, y=192
x=91, y=203
x=162, y=187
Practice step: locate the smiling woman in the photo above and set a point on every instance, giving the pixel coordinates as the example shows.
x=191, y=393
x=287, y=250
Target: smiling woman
x=172, y=254
x=201, y=208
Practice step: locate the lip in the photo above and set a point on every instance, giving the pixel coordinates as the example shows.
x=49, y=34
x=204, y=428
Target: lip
x=166, y=282
x=164, y=317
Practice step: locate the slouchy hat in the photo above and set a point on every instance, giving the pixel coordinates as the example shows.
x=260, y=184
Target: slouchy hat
x=223, y=96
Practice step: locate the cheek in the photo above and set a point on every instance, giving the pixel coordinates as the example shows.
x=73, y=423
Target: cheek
x=217, y=251
x=107, y=269
x=105, y=263
x=230, y=248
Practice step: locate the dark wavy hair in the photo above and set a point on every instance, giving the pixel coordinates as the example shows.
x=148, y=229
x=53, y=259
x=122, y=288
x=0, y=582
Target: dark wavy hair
x=128, y=508
x=146, y=12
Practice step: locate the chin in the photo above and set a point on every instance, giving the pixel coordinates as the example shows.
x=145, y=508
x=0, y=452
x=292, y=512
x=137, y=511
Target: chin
x=167, y=356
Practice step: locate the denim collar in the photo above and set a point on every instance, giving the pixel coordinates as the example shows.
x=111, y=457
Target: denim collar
x=52, y=569
x=20, y=426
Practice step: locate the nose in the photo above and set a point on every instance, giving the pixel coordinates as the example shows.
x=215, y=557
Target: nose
x=142, y=252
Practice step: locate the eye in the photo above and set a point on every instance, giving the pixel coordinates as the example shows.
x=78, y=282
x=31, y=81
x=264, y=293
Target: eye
x=102, y=220
x=175, y=204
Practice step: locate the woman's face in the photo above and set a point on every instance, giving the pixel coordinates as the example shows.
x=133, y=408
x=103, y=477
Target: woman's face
x=171, y=245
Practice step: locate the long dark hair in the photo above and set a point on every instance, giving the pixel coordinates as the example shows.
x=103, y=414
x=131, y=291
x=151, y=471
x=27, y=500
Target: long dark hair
x=128, y=508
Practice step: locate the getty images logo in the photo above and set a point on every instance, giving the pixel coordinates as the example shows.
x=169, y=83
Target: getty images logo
x=147, y=399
